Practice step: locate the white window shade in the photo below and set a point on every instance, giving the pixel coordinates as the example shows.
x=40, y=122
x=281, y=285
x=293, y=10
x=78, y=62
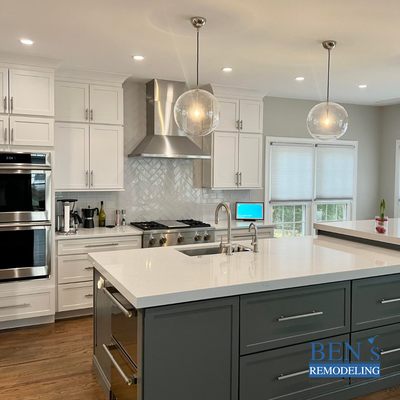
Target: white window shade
x=291, y=172
x=335, y=172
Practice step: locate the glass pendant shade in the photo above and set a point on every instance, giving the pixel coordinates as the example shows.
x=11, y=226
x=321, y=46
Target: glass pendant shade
x=327, y=121
x=196, y=112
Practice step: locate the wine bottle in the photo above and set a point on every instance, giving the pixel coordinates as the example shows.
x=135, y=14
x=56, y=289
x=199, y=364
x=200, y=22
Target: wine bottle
x=102, y=215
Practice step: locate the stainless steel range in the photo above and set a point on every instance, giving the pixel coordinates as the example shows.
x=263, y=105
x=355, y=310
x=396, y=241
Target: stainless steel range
x=175, y=232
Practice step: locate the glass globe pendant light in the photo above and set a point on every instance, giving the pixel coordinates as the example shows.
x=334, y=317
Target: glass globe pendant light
x=196, y=111
x=327, y=120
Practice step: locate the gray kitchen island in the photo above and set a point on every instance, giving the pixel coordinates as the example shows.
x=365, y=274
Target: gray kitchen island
x=173, y=326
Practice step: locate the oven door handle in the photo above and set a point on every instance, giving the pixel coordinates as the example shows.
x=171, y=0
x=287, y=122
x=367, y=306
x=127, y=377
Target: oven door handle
x=24, y=225
x=128, y=381
x=24, y=169
x=126, y=312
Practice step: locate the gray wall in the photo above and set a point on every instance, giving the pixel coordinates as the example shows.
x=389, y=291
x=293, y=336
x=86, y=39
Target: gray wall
x=287, y=117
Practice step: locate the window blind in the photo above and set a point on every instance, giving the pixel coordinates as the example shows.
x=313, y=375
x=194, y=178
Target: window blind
x=335, y=172
x=291, y=172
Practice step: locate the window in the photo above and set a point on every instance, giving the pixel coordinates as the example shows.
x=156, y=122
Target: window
x=307, y=182
x=289, y=220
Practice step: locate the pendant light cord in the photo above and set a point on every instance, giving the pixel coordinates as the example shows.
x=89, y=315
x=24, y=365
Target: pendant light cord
x=197, y=57
x=329, y=77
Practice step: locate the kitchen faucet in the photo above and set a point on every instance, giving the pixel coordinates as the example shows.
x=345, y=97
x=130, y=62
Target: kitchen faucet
x=254, y=238
x=228, y=244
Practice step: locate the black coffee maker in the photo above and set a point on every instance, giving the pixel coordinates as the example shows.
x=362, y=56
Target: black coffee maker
x=88, y=216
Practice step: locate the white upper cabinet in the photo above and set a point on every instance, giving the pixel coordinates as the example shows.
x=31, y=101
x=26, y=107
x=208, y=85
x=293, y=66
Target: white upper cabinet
x=250, y=160
x=228, y=115
x=4, y=90
x=72, y=101
x=251, y=116
x=225, y=159
x=106, y=104
x=71, y=169
x=31, y=92
x=31, y=131
x=106, y=157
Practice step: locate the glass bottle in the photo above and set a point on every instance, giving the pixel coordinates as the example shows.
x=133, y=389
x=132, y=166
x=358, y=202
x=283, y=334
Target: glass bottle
x=102, y=215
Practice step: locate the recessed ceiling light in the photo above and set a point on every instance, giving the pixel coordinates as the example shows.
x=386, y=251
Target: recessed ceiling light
x=227, y=69
x=300, y=78
x=138, y=58
x=363, y=86
x=26, y=42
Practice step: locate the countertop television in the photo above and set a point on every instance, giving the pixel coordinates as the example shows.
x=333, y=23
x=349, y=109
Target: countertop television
x=249, y=211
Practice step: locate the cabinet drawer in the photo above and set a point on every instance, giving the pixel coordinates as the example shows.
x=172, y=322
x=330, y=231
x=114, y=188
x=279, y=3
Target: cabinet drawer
x=285, y=317
x=85, y=246
x=26, y=305
x=244, y=234
x=376, y=302
x=283, y=374
x=75, y=268
x=388, y=342
x=75, y=296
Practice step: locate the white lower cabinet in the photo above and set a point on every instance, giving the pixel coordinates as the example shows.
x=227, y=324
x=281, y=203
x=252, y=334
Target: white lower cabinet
x=75, y=271
x=264, y=232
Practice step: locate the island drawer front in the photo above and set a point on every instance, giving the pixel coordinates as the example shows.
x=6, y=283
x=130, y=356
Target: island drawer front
x=285, y=317
x=376, y=302
x=387, y=343
x=244, y=234
x=75, y=296
x=74, y=268
x=283, y=374
x=85, y=246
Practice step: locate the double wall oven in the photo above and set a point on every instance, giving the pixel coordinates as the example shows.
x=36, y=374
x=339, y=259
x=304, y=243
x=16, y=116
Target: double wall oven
x=25, y=215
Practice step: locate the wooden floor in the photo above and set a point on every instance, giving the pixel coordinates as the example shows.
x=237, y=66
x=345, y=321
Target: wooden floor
x=54, y=362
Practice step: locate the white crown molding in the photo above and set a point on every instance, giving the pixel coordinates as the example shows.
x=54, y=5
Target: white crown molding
x=85, y=76
x=17, y=61
x=236, y=92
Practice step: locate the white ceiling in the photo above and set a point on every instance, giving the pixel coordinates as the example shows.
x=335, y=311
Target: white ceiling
x=267, y=42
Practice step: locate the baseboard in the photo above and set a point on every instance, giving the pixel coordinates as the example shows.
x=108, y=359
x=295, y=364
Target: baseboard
x=19, y=323
x=73, y=314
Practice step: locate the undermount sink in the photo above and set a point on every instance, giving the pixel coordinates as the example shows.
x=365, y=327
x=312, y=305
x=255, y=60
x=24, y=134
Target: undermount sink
x=208, y=251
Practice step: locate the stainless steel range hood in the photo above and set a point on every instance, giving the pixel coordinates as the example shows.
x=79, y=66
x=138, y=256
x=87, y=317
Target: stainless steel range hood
x=163, y=137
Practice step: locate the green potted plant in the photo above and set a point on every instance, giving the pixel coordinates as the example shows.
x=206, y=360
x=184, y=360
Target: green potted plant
x=381, y=221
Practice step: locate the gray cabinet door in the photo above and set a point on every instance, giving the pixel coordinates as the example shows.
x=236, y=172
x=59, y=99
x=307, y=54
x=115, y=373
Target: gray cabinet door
x=376, y=302
x=191, y=351
x=387, y=339
x=284, y=317
x=283, y=374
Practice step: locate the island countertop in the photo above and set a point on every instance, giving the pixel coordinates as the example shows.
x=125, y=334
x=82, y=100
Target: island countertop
x=161, y=276
x=363, y=229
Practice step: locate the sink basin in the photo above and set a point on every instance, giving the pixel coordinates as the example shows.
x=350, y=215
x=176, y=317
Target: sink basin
x=208, y=251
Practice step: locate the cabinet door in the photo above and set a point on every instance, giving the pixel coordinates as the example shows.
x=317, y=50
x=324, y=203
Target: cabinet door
x=72, y=101
x=31, y=131
x=228, y=115
x=4, y=132
x=71, y=169
x=31, y=92
x=4, y=90
x=225, y=159
x=106, y=157
x=250, y=160
x=106, y=104
x=251, y=116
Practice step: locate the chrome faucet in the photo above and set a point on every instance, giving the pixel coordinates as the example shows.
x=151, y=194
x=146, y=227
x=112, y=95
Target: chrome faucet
x=228, y=244
x=254, y=238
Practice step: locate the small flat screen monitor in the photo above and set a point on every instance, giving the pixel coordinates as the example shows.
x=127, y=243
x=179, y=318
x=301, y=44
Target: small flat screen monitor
x=250, y=211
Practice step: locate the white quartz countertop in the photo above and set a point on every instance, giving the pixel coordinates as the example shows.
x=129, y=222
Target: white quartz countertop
x=364, y=229
x=223, y=224
x=160, y=276
x=84, y=233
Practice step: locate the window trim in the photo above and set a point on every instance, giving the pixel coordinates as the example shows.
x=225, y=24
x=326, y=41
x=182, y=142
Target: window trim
x=311, y=206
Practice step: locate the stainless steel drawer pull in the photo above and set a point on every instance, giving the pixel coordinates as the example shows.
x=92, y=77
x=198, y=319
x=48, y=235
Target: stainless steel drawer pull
x=87, y=114
x=12, y=104
x=89, y=295
x=101, y=245
x=88, y=268
x=5, y=104
x=126, y=312
x=383, y=301
x=311, y=314
x=5, y=135
x=128, y=381
x=282, y=377
x=23, y=305
x=384, y=352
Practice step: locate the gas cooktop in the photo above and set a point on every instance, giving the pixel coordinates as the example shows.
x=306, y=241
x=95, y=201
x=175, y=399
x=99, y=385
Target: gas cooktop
x=170, y=224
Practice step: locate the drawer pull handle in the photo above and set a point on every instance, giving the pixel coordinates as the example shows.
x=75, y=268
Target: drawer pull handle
x=15, y=306
x=311, y=314
x=126, y=312
x=102, y=245
x=384, y=352
x=383, y=301
x=88, y=268
x=128, y=381
x=282, y=377
x=89, y=295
